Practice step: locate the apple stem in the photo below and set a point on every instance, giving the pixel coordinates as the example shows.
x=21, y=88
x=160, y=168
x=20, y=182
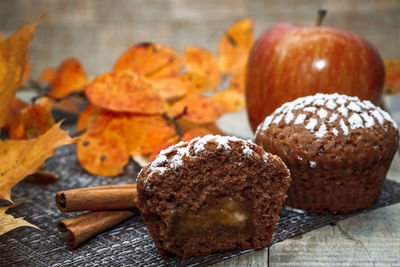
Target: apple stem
x=321, y=15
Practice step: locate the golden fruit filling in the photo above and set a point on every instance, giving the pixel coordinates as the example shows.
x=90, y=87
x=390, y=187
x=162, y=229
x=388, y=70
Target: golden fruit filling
x=226, y=212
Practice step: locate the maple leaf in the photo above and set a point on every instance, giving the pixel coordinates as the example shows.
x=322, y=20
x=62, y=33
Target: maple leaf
x=19, y=158
x=235, y=45
x=8, y=222
x=13, y=58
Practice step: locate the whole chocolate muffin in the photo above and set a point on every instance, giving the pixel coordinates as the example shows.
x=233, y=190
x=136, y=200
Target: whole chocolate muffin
x=337, y=148
x=211, y=194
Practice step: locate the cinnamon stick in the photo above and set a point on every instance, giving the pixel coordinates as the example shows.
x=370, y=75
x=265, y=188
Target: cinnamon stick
x=109, y=197
x=81, y=228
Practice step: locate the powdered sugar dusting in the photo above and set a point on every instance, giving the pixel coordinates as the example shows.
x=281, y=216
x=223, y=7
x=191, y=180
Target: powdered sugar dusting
x=354, y=107
x=164, y=160
x=300, y=119
x=313, y=164
x=310, y=109
x=326, y=109
x=322, y=113
x=355, y=121
x=333, y=117
x=331, y=104
x=321, y=131
x=311, y=124
x=344, y=127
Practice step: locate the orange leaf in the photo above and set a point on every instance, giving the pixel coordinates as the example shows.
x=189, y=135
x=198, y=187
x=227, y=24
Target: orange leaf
x=231, y=100
x=158, y=149
x=125, y=92
x=202, y=62
x=17, y=106
x=237, y=80
x=8, y=222
x=33, y=121
x=70, y=77
x=392, y=80
x=170, y=88
x=212, y=127
x=199, y=109
x=195, y=84
x=27, y=72
x=156, y=137
x=20, y=158
x=103, y=153
x=235, y=45
x=134, y=128
x=93, y=119
x=48, y=75
x=13, y=58
x=193, y=133
x=170, y=70
x=148, y=59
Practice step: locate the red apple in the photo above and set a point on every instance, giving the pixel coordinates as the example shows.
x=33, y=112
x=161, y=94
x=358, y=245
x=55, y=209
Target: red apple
x=289, y=61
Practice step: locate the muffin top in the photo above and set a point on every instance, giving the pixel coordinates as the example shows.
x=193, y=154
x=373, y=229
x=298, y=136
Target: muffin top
x=329, y=113
x=340, y=128
x=173, y=157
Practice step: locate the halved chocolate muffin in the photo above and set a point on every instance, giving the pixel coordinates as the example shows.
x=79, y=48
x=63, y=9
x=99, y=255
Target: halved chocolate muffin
x=338, y=150
x=211, y=194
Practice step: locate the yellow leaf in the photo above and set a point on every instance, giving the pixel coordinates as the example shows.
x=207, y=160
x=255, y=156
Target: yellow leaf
x=202, y=62
x=231, y=100
x=19, y=158
x=13, y=58
x=235, y=45
x=8, y=222
x=392, y=80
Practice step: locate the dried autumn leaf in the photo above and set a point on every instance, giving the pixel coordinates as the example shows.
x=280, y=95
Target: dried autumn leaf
x=392, y=80
x=235, y=45
x=125, y=92
x=170, y=88
x=237, y=80
x=170, y=70
x=17, y=106
x=212, y=127
x=42, y=178
x=156, y=137
x=146, y=59
x=13, y=58
x=231, y=100
x=35, y=121
x=195, y=84
x=27, y=72
x=70, y=77
x=103, y=153
x=200, y=109
x=193, y=133
x=93, y=119
x=158, y=149
x=8, y=222
x=20, y=158
x=48, y=75
x=133, y=129
x=202, y=62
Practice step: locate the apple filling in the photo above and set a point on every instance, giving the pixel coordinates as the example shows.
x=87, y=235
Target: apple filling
x=226, y=212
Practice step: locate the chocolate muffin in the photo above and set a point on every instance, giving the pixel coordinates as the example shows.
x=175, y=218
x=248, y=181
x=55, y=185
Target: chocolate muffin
x=211, y=194
x=337, y=148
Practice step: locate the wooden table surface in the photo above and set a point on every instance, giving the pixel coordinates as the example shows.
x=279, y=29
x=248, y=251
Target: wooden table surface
x=370, y=239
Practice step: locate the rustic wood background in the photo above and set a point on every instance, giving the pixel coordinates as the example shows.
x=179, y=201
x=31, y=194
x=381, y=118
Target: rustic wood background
x=98, y=31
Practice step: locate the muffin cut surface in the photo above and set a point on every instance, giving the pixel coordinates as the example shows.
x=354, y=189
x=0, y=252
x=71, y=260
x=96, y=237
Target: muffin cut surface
x=211, y=194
